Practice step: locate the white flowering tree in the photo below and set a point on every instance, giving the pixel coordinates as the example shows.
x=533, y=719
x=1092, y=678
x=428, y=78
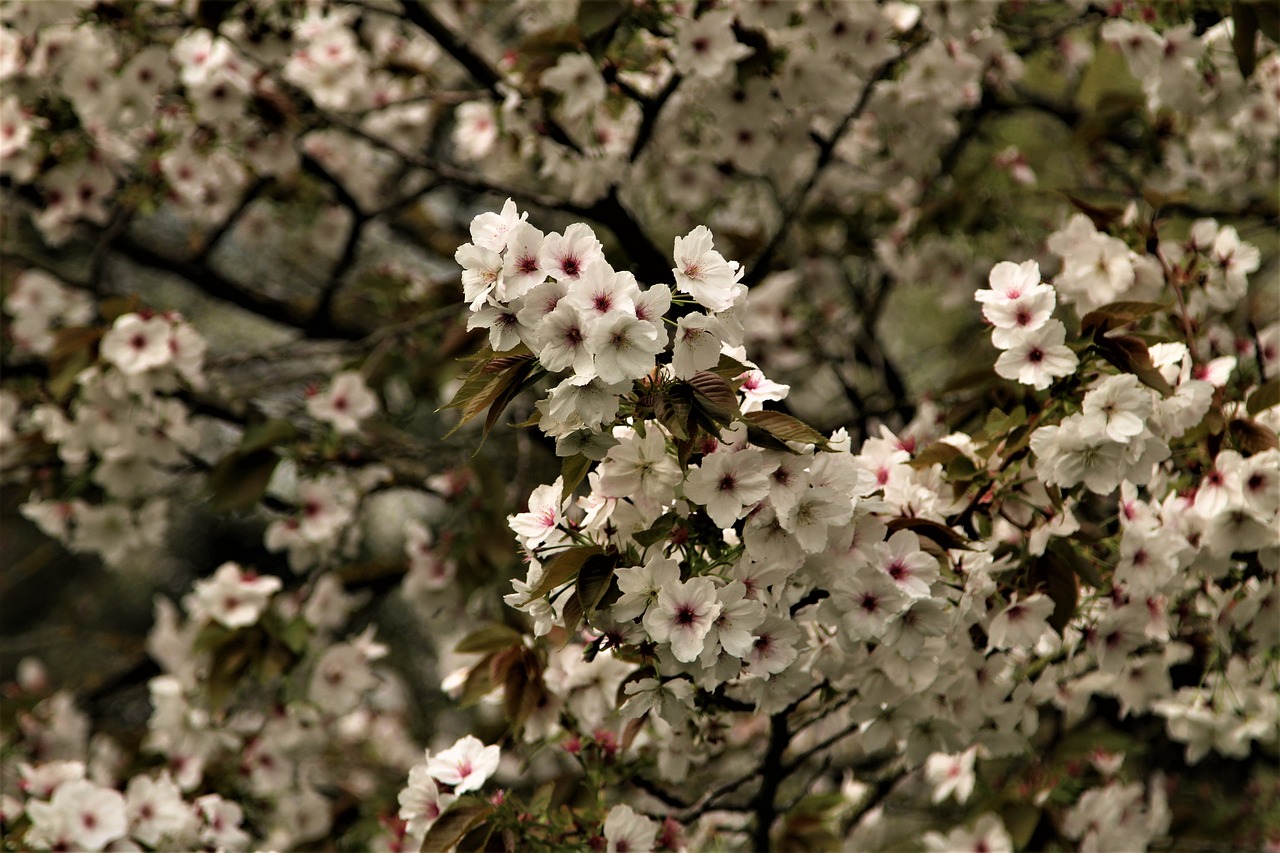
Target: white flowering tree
x=734, y=529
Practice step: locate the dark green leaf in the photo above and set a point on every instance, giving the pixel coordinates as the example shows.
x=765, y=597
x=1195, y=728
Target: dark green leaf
x=660, y=530
x=594, y=579
x=239, y=480
x=573, y=470
x=673, y=408
x=463, y=816
x=1059, y=580
x=572, y=612
x=596, y=16
x=1103, y=216
x=1078, y=563
x=295, y=634
x=562, y=567
x=729, y=367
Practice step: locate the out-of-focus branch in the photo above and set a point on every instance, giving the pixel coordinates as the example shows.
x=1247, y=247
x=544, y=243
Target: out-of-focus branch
x=760, y=265
x=222, y=288
x=421, y=16
x=214, y=237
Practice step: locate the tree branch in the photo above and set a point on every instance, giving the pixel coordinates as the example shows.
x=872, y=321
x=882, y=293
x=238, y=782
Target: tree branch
x=759, y=266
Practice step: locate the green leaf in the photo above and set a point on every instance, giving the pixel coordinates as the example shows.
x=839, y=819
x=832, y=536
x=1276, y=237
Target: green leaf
x=518, y=378
x=462, y=817
x=1115, y=315
x=490, y=638
x=295, y=634
x=239, y=480
x=1264, y=398
x=597, y=16
x=781, y=428
x=938, y=453
x=1021, y=820
x=562, y=567
x=660, y=530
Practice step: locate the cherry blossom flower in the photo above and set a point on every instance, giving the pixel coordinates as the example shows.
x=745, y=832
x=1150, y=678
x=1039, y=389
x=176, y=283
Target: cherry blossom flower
x=345, y=403
x=1118, y=406
x=639, y=465
x=628, y=832
x=521, y=268
x=1038, y=357
x=624, y=347
x=706, y=46
x=546, y=513
x=563, y=336
x=566, y=257
x=727, y=484
x=482, y=273
x=697, y=345
x=476, y=130
x=422, y=802
x=466, y=765
x=600, y=293
x=682, y=615
x=951, y=775
x=988, y=835
x=757, y=389
x=869, y=602
x=703, y=272
x=221, y=826
x=81, y=816
x=910, y=568
x=578, y=81
x=1021, y=623
x=156, y=811
x=136, y=345
x=492, y=231
x=640, y=585
x=234, y=598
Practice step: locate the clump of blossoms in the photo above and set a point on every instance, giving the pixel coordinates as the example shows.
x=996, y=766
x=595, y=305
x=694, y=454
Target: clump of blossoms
x=736, y=561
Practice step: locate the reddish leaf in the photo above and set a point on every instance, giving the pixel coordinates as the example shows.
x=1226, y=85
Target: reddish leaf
x=1115, y=315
